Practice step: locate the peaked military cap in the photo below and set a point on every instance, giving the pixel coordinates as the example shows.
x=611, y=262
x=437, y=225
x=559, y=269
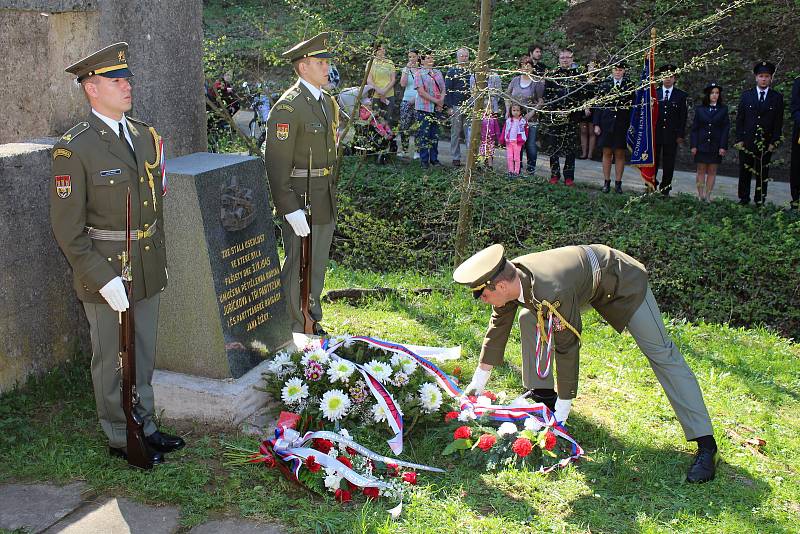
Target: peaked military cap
x=478, y=270
x=668, y=68
x=317, y=46
x=110, y=62
x=621, y=64
x=764, y=66
x=712, y=85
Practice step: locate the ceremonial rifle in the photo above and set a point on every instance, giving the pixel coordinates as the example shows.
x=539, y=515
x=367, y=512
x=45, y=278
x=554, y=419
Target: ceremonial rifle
x=137, y=449
x=305, y=258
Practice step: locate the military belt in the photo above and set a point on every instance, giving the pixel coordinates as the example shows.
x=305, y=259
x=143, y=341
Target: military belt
x=593, y=261
x=119, y=235
x=315, y=173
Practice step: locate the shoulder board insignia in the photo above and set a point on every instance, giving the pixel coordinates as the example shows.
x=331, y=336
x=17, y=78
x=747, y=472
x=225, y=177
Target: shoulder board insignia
x=286, y=107
x=75, y=131
x=137, y=121
x=291, y=94
x=63, y=152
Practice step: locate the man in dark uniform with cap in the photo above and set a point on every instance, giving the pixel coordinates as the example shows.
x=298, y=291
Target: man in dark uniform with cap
x=562, y=100
x=302, y=126
x=551, y=287
x=671, y=125
x=794, y=176
x=95, y=165
x=759, y=121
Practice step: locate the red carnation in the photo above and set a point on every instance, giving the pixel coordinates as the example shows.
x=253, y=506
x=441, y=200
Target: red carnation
x=457, y=371
x=462, y=432
x=486, y=442
x=472, y=398
x=343, y=495
x=350, y=451
x=393, y=470
x=410, y=477
x=449, y=416
x=323, y=445
x=312, y=465
x=492, y=397
x=522, y=447
x=371, y=493
x=346, y=461
x=549, y=441
x=269, y=460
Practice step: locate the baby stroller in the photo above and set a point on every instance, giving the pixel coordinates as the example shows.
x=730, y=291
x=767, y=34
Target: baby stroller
x=370, y=133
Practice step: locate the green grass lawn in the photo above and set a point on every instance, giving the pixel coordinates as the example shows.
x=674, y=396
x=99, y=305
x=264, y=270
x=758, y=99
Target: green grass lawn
x=633, y=481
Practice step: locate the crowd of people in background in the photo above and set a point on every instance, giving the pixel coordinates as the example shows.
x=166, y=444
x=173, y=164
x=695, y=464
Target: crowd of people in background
x=569, y=111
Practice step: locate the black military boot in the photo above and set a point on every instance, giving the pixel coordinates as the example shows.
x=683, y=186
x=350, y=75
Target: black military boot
x=704, y=466
x=164, y=442
x=606, y=186
x=546, y=396
x=618, y=187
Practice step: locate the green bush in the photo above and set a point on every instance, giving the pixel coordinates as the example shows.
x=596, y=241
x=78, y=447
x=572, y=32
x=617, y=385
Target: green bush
x=720, y=263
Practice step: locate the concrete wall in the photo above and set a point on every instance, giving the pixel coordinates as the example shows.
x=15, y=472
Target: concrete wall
x=41, y=38
x=41, y=321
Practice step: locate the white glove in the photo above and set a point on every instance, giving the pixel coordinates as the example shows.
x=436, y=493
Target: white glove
x=114, y=293
x=479, y=379
x=562, y=410
x=298, y=222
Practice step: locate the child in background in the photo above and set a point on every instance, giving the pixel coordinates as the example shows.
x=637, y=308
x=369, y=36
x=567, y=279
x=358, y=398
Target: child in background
x=491, y=136
x=515, y=135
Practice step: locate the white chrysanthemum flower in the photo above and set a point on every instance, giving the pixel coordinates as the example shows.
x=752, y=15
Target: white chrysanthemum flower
x=381, y=371
x=404, y=362
x=507, y=429
x=294, y=391
x=533, y=424
x=316, y=355
x=332, y=481
x=334, y=404
x=340, y=370
x=483, y=401
x=466, y=415
x=379, y=414
x=430, y=397
x=281, y=364
x=400, y=379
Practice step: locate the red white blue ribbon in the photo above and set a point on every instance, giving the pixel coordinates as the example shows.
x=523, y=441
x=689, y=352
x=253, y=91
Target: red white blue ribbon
x=539, y=345
x=163, y=164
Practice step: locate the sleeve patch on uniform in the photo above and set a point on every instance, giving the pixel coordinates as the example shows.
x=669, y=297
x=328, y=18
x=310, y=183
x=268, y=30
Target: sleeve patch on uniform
x=62, y=152
x=63, y=185
x=282, y=131
x=287, y=107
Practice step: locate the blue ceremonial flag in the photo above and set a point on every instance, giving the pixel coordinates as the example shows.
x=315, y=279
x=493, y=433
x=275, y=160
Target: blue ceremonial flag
x=641, y=135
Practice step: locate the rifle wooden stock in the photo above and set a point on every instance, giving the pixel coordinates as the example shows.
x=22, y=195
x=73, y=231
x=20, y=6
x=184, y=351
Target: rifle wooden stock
x=137, y=450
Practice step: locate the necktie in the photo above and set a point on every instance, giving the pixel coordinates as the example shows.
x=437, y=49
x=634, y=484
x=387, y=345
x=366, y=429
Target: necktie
x=322, y=105
x=761, y=97
x=666, y=95
x=124, y=140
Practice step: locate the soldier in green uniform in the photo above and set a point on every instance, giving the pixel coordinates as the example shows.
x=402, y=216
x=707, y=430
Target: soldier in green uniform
x=95, y=165
x=302, y=128
x=551, y=287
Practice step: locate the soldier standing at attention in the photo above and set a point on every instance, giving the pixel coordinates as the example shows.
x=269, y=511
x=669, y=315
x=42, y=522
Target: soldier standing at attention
x=551, y=287
x=95, y=165
x=671, y=125
x=303, y=124
x=759, y=121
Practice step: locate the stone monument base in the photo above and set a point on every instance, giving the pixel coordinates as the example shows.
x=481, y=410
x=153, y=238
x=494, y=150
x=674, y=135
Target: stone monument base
x=227, y=402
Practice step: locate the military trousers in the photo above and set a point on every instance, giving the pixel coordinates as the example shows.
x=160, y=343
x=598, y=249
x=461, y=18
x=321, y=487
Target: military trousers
x=673, y=373
x=754, y=165
x=794, y=172
x=665, y=160
x=106, y=373
x=321, y=239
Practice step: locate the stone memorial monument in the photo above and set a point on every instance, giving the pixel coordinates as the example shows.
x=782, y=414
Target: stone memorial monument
x=223, y=310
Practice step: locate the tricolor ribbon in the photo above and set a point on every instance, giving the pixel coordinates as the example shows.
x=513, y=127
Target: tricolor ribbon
x=541, y=413
x=289, y=446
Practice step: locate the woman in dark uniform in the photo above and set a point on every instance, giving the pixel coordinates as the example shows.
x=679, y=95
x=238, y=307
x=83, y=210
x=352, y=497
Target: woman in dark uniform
x=611, y=120
x=709, y=138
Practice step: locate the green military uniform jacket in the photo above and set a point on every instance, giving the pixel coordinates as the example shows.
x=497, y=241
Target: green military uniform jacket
x=92, y=173
x=297, y=124
x=564, y=277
